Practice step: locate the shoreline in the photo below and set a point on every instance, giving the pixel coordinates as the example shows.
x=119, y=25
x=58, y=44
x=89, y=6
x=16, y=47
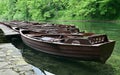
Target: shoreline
x=12, y=62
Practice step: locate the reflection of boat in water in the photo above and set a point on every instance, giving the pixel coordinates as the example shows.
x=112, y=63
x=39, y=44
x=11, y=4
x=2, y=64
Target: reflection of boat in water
x=85, y=46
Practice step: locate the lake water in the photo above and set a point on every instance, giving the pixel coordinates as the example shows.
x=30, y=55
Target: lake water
x=61, y=66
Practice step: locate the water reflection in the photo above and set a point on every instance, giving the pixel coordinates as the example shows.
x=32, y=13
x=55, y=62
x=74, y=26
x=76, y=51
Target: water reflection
x=62, y=66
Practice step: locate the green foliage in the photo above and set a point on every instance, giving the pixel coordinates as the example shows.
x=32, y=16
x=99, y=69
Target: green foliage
x=56, y=9
x=109, y=8
x=100, y=8
x=3, y=9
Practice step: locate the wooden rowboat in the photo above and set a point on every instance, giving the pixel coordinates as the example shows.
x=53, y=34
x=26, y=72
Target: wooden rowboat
x=34, y=26
x=16, y=25
x=83, y=46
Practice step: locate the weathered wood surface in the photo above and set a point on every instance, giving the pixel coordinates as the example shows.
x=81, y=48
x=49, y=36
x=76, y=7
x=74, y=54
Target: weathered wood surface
x=8, y=31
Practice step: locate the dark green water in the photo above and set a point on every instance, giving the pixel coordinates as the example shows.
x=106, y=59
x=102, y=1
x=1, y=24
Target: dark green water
x=60, y=66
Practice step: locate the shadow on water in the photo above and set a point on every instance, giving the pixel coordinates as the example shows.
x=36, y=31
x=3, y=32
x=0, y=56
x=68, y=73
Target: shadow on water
x=62, y=66
x=2, y=38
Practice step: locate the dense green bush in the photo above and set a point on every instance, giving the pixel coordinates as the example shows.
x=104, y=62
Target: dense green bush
x=56, y=9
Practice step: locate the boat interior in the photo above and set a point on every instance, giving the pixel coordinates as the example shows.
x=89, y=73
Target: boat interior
x=80, y=38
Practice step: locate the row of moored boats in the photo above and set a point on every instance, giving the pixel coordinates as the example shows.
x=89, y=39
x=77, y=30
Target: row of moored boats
x=64, y=40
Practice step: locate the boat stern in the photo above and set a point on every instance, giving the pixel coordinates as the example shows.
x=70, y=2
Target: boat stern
x=106, y=50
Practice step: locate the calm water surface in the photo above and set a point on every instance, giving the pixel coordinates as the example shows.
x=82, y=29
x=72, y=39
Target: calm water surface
x=60, y=66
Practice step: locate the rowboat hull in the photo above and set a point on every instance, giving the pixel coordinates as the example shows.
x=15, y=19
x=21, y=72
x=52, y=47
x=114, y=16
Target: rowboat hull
x=99, y=52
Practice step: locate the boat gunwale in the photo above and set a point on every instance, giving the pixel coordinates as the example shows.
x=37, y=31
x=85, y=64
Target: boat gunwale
x=92, y=45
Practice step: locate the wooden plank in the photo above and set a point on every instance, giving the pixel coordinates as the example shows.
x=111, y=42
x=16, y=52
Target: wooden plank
x=8, y=31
